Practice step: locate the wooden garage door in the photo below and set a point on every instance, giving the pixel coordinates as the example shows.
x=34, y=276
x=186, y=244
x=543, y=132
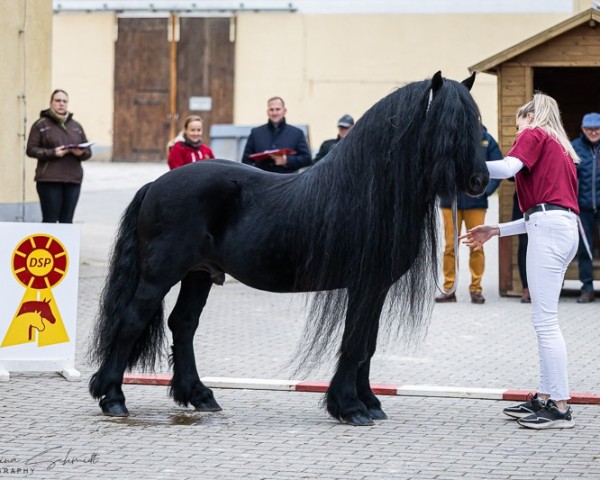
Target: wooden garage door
x=204, y=71
x=205, y=61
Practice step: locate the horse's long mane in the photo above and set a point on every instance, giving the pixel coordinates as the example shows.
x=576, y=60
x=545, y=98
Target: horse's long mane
x=369, y=218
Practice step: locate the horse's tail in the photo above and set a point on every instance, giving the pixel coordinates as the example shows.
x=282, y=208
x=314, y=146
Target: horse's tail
x=119, y=288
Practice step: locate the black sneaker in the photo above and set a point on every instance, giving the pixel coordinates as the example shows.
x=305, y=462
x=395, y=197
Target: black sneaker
x=548, y=417
x=531, y=406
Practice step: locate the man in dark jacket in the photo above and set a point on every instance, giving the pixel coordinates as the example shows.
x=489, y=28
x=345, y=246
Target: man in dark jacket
x=587, y=146
x=276, y=134
x=471, y=211
x=344, y=125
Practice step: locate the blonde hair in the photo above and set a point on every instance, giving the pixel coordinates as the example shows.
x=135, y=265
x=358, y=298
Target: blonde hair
x=546, y=115
x=190, y=119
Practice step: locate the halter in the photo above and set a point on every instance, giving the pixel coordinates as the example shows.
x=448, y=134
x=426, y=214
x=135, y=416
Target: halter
x=430, y=100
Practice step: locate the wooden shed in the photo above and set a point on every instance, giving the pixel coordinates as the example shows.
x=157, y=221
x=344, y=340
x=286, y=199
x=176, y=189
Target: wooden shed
x=563, y=62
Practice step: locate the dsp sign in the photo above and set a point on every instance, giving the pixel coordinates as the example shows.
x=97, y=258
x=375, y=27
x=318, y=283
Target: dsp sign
x=38, y=324
x=39, y=263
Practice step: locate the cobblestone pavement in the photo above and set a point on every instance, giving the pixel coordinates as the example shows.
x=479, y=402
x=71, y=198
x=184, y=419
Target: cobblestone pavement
x=53, y=429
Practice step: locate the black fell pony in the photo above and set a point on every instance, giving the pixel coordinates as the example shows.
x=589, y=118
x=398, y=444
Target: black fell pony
x=359, y=228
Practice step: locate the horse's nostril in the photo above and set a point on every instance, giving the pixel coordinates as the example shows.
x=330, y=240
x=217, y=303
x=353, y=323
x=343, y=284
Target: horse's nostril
x=476, y=183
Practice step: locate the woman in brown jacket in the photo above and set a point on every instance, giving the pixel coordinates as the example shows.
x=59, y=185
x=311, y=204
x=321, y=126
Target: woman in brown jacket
x=55, y=140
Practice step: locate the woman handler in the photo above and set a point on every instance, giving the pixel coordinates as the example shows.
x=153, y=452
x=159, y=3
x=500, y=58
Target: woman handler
x=542, y=161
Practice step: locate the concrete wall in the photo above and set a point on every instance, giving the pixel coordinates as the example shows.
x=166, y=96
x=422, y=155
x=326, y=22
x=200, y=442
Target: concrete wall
x=328, y=65
x=323, y=65
x=25, y=88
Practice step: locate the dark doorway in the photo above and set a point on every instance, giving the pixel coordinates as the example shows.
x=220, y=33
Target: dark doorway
x=577, y=91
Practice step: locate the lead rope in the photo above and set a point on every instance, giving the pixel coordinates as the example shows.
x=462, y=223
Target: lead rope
x=455, y=232
x=584, y=238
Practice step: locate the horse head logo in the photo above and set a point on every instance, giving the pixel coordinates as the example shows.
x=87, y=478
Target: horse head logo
x=42, y=310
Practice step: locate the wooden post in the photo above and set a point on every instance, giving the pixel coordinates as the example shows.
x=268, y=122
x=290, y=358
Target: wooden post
x=173, y=39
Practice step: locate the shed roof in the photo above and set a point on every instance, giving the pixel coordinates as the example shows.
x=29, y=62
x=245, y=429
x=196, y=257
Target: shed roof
x=490, y=65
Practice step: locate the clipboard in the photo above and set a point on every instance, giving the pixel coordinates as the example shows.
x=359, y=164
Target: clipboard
x=79, y=145
x=266, y=155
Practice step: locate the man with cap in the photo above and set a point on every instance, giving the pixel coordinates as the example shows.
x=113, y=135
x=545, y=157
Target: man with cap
x=587, y=146
x=344, y=125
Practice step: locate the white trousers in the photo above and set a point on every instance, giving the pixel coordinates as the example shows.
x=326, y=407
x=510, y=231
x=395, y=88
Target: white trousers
x=553, y=240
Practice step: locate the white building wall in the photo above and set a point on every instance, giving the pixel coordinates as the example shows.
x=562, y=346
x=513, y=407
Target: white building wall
x=84, y=66
x=328, y=65
x=322, y=62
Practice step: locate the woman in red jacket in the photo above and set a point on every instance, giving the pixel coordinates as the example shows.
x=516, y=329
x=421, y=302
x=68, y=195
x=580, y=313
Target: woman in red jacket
x=188, y=147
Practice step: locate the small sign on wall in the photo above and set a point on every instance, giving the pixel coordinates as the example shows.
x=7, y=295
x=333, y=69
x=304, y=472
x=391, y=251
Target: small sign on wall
x=39, y=271
x=200, y=104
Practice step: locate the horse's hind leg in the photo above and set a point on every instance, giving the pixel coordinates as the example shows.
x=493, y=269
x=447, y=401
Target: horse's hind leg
x=107, y=382
x=186, y=387
x=342, y=399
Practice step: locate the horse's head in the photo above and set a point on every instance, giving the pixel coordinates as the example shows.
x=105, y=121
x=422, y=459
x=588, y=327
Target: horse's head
x=451, y=138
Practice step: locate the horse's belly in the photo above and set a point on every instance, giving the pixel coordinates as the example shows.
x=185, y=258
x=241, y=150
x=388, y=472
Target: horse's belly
x=272, y=280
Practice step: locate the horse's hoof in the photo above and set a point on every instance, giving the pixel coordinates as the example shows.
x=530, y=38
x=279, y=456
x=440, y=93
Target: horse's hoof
x=377, y=414
x=358, y=420
x=115, y=410
x=208, y=409
x=208, y=406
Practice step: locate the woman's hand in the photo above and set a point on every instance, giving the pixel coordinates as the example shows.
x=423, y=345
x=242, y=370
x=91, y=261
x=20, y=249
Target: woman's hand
x=60, y=151
x=78, y=152
x=476, y=237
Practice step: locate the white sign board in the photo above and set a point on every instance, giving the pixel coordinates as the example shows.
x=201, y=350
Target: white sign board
x=39, y=271
x=202, y=104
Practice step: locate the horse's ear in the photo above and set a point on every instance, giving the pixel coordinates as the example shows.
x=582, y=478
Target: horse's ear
x=468, y=82
x=437, y=81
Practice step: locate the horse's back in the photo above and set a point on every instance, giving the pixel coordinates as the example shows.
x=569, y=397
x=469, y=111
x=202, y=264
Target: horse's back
x=215, y=173
x=219, y=216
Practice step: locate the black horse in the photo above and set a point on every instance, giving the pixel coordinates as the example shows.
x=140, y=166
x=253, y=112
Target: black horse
x=359, y=228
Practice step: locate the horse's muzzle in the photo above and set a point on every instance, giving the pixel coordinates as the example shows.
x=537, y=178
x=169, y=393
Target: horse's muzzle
x=477, y=183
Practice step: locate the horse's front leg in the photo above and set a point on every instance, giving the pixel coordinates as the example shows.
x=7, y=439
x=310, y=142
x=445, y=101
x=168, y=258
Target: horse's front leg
x=186, y=387
x=349, y=397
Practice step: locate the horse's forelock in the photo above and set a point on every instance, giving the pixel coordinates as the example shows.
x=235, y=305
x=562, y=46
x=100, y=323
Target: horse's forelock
x=437, y=147
x=451, y=135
